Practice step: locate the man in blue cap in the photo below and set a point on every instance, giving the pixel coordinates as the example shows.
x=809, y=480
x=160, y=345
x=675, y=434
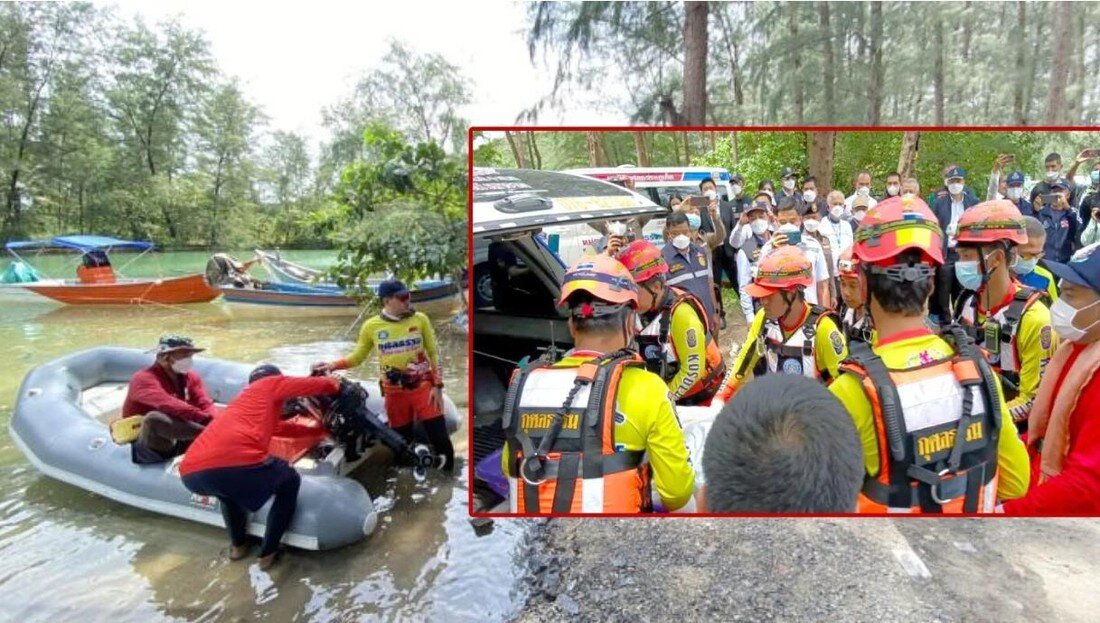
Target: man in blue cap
x=1061, y=222
x=948, y=209
x=412, y=375
x=1064, y=424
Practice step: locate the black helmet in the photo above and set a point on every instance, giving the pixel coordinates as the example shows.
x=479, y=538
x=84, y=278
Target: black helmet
x=262, y=371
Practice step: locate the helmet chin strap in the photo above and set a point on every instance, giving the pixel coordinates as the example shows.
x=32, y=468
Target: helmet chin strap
x=789, y=301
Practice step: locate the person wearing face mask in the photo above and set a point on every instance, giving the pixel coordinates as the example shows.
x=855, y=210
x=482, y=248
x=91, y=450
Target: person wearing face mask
x=929, y=410
x=724, y=256
x=948, y=210
x=1091, y=234
x=557, y=458
x=1028, y=267
x=854, y=319
x=862, y=191
x=998, y=185
x=942, y=191
x=675, y=338
x=172, y=400
x=689, y=262
x=1007, y=320
x=838, y=226
x=767, y=186
x=1052, y=174
x=1064, y=426
x=811, y=201
x=910, y=186
x=817, y=228
x=1062, y=223
x=788, y=334
x=789, y=190
x=789, y=221
x=756, y=225
x=893, y=185
x=1088, y=204
x=741, y=199
x=1014, y=192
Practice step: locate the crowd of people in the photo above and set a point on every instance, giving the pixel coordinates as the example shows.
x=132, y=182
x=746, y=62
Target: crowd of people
x=227, y=453
x=903, y=354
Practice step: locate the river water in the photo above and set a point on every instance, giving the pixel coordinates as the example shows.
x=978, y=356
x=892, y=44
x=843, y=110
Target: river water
x=67, y=554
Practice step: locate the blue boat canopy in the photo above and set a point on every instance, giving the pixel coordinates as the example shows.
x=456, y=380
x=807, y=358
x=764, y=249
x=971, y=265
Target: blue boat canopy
x=81, y=243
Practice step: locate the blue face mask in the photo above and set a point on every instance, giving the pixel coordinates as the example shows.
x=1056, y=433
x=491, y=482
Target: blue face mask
x=968, y=275
x=1024, y=267
x=694, y=221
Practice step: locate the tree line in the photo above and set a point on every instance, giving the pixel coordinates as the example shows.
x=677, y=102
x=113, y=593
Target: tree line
x=844, y=63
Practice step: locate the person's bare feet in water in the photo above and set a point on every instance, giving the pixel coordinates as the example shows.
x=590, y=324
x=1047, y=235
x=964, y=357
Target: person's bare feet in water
x=237, y=552
x=266, y=562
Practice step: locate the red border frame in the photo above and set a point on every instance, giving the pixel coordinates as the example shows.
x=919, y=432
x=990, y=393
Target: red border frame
x=734, y=128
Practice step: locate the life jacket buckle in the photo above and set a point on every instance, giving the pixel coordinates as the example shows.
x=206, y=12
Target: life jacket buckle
x=955, y=487
x=537, y=475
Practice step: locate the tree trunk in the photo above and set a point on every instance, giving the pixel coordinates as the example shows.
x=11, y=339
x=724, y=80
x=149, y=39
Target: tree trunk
x=597, y=152
x=517, y=151
x=796, y=63
x=1033, y=64
x=1018, y=83
x=907, y=160
x=1059, y=69
x=937, y=78
x=821, y=159
x=687, y=150
x=733, y=149
x=695, y=63
x=537, y=155
x=640, y=148
x=877, y=77
x=828, y=71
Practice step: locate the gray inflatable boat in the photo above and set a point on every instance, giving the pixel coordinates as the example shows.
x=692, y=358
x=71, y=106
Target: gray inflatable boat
x=60, y=422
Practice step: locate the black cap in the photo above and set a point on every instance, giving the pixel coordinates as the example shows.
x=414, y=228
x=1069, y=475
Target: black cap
x=787, y=172
x=736, y=177
x=176, y=344
x=261, y=371
x=1060, y=183
x=391, y=287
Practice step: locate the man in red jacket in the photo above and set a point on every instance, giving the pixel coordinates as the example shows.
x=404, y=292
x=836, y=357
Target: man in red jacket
x=230, y=459
x=172, y=399
x=1064, y=424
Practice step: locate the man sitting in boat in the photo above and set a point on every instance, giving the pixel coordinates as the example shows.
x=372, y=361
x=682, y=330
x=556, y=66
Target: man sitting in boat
x=172, y=400
x=95, y=268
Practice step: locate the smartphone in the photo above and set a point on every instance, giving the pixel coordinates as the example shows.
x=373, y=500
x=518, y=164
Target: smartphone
x=794, y=238
x=1051, y=198
x=1091, y=153
x=616, y=228
x=700, y=201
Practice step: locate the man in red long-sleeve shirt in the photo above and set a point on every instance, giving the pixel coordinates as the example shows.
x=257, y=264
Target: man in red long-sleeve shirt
x=230, y=459
x=1064, y=425
x=172, y=399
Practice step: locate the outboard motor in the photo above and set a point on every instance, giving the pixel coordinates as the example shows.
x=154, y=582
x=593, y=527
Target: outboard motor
x=354, y=425
x=224, y=270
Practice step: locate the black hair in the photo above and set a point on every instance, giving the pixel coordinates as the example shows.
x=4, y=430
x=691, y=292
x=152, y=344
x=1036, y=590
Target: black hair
x=864, y=172
x=765, y=182
x=676, y=218
x=609, y=323
x=894, y=174
x=788, y=204
x=1053, y=157
x=901, y=297
x=784, y=444
x=674, y=196
x=809, y=178
x=706, y=180
x=263, y=371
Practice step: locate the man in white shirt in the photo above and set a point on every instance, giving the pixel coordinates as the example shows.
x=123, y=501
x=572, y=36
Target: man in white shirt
x=790, y=228
x=755, y=225
x=836, y=227
x=863, y=189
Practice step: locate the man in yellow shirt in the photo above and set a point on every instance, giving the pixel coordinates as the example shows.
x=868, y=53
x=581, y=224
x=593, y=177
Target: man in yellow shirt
x=929, y=414
x=412, y=381
x=594, y=432
x=1008, y=320
x=788, y=335
x=676, y=339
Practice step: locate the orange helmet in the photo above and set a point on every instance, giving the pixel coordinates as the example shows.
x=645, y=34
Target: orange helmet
x=786, y=268
x=896, y=225
x=848, y=263
x=643, y=260
x=992, y=221
x=605, y=278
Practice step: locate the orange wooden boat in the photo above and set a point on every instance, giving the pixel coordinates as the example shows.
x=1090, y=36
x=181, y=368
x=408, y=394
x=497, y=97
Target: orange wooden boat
x=97, y=283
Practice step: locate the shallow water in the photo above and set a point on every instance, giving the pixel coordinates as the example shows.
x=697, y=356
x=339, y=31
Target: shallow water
x=65, y=553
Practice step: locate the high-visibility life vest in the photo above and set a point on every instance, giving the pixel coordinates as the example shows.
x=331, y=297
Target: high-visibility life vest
x=660, y=355
x=997, y=336
x=937, y=426
x=795, y=354
x=562, y=456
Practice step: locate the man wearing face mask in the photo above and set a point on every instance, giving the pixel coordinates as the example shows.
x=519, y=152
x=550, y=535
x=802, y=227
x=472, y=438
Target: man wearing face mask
x=556, y=458
x=172, y=399
x=1028, y=267
x=811, y=201
x=910, y=187
x=789, y=232
x=942, y=191
x=863, y=191
x=1088, y=205
x=724, y=256
x=818, y=229
x=1052, y=174
x=1064, y=426
x=1008, y=321
x=837, y=225
x=1061, y=222
x=1014, y=192
x=688, y=262
x=893, y=185
x=948, y=210
x=997, y=188
x=854, y=319
x=789, y=179
x=756, y=223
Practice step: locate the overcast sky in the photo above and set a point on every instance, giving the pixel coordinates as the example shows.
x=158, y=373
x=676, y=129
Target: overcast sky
x=295, y=58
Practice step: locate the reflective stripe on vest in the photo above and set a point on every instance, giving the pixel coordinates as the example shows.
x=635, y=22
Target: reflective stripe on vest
x=801, y=346
x=1007, y=356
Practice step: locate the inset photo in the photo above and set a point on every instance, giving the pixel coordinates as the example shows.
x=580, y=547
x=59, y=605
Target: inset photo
x=778, y=322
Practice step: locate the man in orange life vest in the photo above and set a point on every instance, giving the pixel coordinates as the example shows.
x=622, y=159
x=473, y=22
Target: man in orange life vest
x=676, y=339
x=588, y=433
x=1064, y=425
x=930, y=414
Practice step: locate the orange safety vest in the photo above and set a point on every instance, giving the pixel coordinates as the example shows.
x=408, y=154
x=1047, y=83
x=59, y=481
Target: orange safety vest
x=936, y=455
x=661, y=360
x=562, y=456
x=95, y=274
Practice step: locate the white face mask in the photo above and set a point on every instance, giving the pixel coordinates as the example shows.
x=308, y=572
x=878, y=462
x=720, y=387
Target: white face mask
x=711, y=194
x=759, y=226
x=809, y=196
x=183, y=366
x=811, y=224
x=863, y=191
x=1053, y=175
x=859, y=214
x=1062, y=315
x=788, y=184
x=893, y=190
x=955, y=189
x=736, y=188
x=837, y=211
x=1015, y=193
x=681, y=242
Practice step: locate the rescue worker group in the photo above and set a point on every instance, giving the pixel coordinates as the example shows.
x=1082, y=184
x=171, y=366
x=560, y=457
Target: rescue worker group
x=925, y=363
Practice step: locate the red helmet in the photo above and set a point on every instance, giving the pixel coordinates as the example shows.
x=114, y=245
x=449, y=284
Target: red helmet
x=601, y=276
x=848, y=263
x=992, y=221
x=643, y=260
x=896, y=225
x=786, y=268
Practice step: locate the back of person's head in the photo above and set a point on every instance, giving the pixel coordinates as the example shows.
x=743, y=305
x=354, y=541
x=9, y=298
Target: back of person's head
x=906, y=298
x=789, y=204
x=1034, y=228
x=263, y=371
x=784, y=444
x=676, y=218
